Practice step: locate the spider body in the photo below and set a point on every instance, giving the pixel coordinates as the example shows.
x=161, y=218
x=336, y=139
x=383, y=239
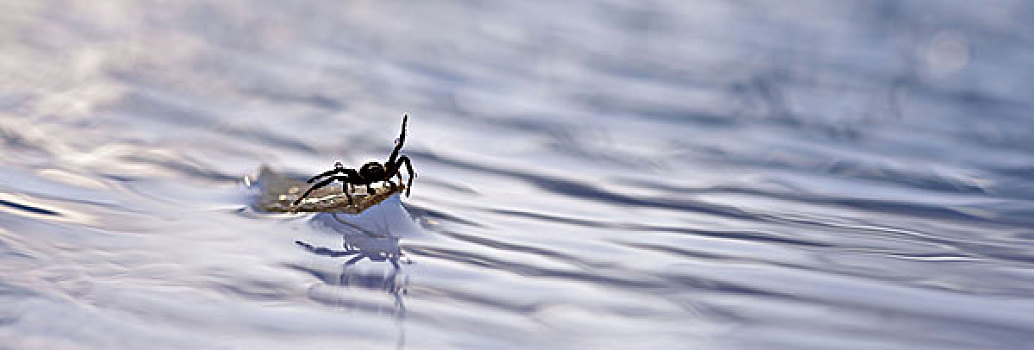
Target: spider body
x=369, y=173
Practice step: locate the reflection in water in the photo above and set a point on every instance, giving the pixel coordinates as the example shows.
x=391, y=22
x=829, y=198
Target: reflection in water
x=377, y=246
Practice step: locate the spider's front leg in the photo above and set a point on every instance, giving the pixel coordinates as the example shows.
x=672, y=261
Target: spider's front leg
x=409, y=167
x=398, y=142
x=392, y=171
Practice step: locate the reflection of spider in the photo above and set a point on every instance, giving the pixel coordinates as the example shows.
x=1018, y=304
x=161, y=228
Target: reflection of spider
x=369, y=173
x=374, y=248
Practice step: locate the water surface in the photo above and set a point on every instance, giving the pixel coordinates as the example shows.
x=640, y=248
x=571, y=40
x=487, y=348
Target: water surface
x=592, y=174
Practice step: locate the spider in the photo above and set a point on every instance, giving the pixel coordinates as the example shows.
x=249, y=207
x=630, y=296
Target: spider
x=369, y=173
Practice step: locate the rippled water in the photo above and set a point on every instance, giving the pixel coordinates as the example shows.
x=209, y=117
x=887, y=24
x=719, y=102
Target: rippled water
x=606, y=174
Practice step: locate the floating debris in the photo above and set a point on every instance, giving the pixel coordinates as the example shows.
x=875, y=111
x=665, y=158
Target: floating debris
x=279, y=193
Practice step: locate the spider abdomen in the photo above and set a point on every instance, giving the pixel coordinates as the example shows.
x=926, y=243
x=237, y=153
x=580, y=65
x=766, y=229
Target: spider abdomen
x=372, y=172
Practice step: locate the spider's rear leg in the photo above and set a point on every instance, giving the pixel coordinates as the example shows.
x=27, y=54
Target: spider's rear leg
x=322, y=184
x=355, y=259
x=320, y=176
x=325, y=251
x=313, y=188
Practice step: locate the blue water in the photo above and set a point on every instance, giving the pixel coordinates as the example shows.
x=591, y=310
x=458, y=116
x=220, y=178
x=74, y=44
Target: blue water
x=592, y=174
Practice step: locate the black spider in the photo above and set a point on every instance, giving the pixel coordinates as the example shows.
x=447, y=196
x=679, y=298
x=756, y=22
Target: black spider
x=369, y=173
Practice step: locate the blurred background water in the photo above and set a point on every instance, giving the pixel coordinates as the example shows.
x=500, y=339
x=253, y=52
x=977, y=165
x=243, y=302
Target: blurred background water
x=592, y=174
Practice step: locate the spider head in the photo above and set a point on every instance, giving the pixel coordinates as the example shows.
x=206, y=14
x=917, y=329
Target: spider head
x=372, y=171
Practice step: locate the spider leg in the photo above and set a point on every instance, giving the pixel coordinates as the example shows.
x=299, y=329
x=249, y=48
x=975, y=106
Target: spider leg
x=323, y=174
x=346, y=188
x=314, y=187
x=324, y=251
x=353, y=175
x=388, y=171
x=343, y=179
x=399, y=142
x=348, y=193
x=409, y=167
x=355, y=259
x=351, y=178
x=391, y=170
